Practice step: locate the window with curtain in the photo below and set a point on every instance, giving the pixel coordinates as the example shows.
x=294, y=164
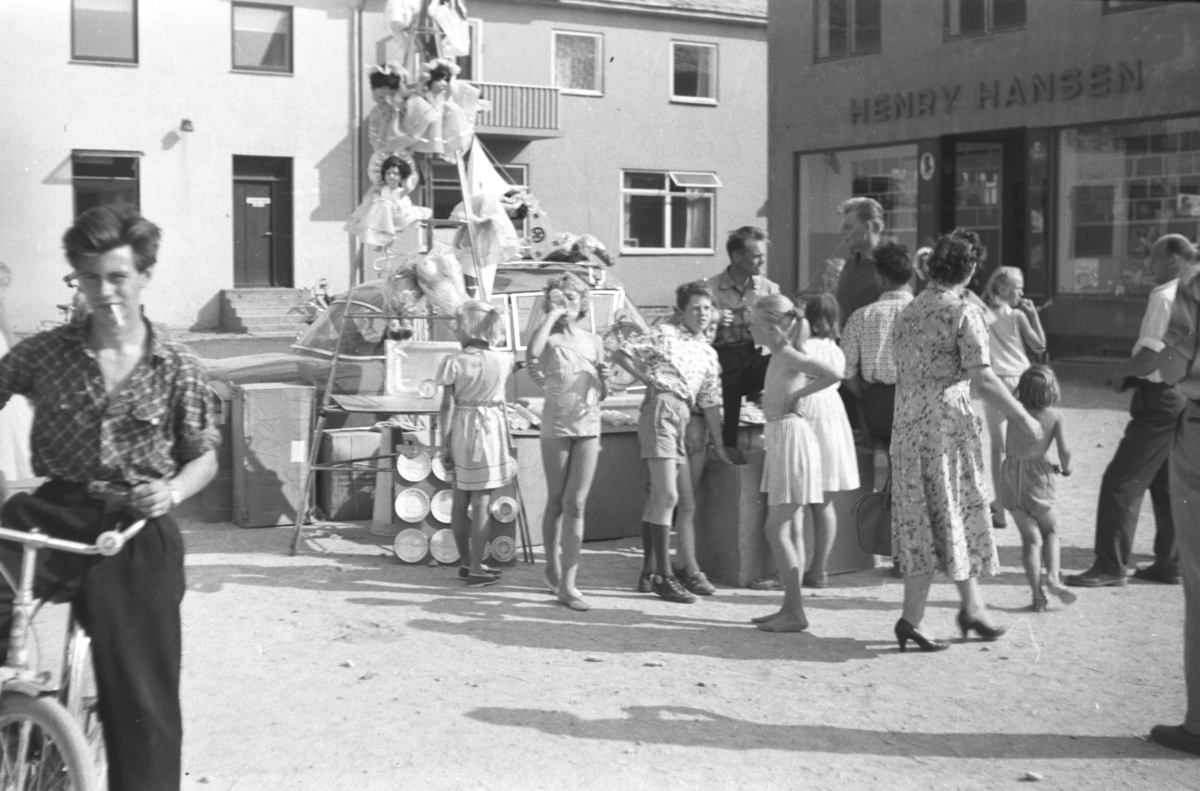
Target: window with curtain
x=104, y=30
x=981, y=17
x=668, y=212
x=848, y=27
x=103, y=178
x=694, y=72
x=262, y=37
x=578, y=63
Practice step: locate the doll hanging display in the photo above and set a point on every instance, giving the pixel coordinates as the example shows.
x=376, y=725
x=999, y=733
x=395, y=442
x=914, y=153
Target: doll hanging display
x=386, y=210
x=440, y=118
x=388, y=88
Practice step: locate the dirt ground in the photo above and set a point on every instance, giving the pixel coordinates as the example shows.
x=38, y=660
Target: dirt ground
x=343, y=669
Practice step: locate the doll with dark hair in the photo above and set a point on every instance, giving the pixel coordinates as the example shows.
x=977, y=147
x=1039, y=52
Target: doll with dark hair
x=383, y=122
x=440, y=118
x=386, y=210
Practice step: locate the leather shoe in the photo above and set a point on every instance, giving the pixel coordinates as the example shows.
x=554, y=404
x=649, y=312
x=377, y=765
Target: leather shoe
x=1094, y=578
x=1156, y=573
x=1176, y=737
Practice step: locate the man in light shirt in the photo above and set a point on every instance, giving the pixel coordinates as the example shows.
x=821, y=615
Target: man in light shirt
x=1140, y=462
x=870, y=359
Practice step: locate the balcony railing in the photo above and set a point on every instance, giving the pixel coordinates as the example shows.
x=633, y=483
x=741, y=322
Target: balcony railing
x=526, y=111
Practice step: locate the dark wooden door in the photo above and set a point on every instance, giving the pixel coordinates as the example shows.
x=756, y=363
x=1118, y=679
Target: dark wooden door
x=253, y=234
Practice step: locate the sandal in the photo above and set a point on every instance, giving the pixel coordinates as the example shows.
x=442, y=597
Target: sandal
x=1039, y=604
x=767, y=583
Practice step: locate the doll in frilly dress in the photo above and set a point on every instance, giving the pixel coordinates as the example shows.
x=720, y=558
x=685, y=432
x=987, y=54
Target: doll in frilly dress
x=384, y=120
x=440, y=118
x=386, y=210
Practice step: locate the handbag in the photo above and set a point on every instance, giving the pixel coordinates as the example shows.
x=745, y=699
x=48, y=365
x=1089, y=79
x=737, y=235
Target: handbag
x=873, y=520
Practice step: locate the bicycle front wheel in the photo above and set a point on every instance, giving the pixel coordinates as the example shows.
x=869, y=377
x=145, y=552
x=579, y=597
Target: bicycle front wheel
x=41, y=747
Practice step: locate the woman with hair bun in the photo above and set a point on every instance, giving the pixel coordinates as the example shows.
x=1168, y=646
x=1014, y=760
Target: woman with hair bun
x=940, y=517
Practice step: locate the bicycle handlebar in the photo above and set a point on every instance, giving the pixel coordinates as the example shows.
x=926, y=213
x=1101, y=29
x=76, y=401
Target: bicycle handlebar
x=107, y=543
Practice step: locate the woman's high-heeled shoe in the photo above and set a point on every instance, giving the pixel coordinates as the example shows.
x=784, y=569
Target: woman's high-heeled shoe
x=905, y=631
x=989, y=633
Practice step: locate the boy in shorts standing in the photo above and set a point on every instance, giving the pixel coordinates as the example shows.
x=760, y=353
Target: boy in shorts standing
x=679, y=369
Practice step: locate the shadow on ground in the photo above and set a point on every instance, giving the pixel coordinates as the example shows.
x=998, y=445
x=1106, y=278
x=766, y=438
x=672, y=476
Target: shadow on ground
x=693, y=727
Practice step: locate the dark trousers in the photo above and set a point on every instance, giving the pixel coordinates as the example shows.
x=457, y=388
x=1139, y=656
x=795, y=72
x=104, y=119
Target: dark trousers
x=743, y=370
x=878, y=411
x=1140, y=463
x=129, y=606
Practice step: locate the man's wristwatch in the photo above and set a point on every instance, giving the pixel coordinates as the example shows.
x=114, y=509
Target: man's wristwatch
x=176, y=495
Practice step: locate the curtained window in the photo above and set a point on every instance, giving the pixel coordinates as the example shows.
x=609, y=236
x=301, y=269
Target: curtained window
x=578, y=65
x=667, y=212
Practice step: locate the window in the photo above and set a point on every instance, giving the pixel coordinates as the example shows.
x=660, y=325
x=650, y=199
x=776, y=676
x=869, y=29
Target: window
x=694, y=73
x=1121, y=187
x=104, y=30
x=101, y=178
x=847, y=27
x=262, y=38
x=1116, y=6
x=578, y=63
x=472, y=64
x=447, y=192
x=980, y=17
x=668, y=212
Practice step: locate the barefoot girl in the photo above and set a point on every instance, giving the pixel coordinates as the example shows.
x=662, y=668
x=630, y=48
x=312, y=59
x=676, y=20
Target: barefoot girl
x=679, y=369
x=792, y=472
x=476, y=437
x=1027, y=483
x=568, y=362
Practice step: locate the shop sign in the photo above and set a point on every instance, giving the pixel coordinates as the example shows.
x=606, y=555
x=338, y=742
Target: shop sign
x=1095, y=82
x=927, y=166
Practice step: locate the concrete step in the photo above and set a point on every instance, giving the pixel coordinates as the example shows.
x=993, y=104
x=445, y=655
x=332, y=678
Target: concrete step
x=272, y=330
x=262, y=321
x=282, y=311
x=250, y=309
x=264, y=296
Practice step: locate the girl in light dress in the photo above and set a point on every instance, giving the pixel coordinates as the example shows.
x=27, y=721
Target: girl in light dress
x=568, y=362
x=1027, y=483
x=386, y=210
x=826, y=413
x=792, y=474
x=1013, y=324
x=475, y=432
x=16, y=418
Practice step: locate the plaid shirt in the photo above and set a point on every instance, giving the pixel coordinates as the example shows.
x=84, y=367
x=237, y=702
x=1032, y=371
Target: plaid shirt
x=161, y=418
x=677, y=362
x=867, y=338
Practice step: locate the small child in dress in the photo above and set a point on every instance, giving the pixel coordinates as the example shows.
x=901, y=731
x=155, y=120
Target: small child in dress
x=792, y=474
x=475, y=431
x=568, y=362
x=826, y=413
x=1027, y=483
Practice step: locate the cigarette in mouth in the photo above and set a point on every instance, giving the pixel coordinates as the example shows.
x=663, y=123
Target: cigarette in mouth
x=117, y=317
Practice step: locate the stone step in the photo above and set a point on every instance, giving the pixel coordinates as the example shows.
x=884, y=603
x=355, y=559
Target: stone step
x=270, y=296
x=282, y=311
x=262, y=321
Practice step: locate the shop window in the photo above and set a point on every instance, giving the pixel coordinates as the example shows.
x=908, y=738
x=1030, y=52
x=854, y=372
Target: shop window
x=848, y=27
x=101, y=178
x=667, y=212
x=693, y=73
x=981, y=17
x=1116, y=6
x=578, y=63
x=262, y=38
x=1121, y=187
x=889, y=175
x=471, y=65
x=104, y=30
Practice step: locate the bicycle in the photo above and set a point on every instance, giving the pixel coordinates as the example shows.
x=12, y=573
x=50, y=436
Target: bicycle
x=51, y=738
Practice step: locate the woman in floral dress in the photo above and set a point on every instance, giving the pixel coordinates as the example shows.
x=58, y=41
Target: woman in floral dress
x=940, y=519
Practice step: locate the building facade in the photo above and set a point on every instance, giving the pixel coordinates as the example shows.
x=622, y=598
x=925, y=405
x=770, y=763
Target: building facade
x=237, y=126
x=1066, y=133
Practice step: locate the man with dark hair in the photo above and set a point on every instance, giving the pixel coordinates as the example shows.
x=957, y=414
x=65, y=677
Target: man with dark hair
x=1140, y=461
x=123, y=430
x=867, y=344
x=1177, y=365
x=743, y=365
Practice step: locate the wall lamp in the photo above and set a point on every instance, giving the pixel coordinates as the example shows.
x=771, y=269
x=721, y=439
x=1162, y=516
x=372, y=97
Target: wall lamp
x=186, y=125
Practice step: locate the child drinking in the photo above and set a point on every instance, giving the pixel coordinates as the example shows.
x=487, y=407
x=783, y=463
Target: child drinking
x=1027, y=483
x=826, y=414
x=1013, y=324
x=475, y=434
x=679, y=369
x=568, y=362
x=792, y=474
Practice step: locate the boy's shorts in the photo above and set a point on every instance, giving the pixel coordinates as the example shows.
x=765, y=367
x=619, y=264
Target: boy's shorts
x=662, y=425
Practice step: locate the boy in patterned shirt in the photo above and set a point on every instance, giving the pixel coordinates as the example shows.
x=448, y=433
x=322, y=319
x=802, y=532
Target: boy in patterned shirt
x=679, y=368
